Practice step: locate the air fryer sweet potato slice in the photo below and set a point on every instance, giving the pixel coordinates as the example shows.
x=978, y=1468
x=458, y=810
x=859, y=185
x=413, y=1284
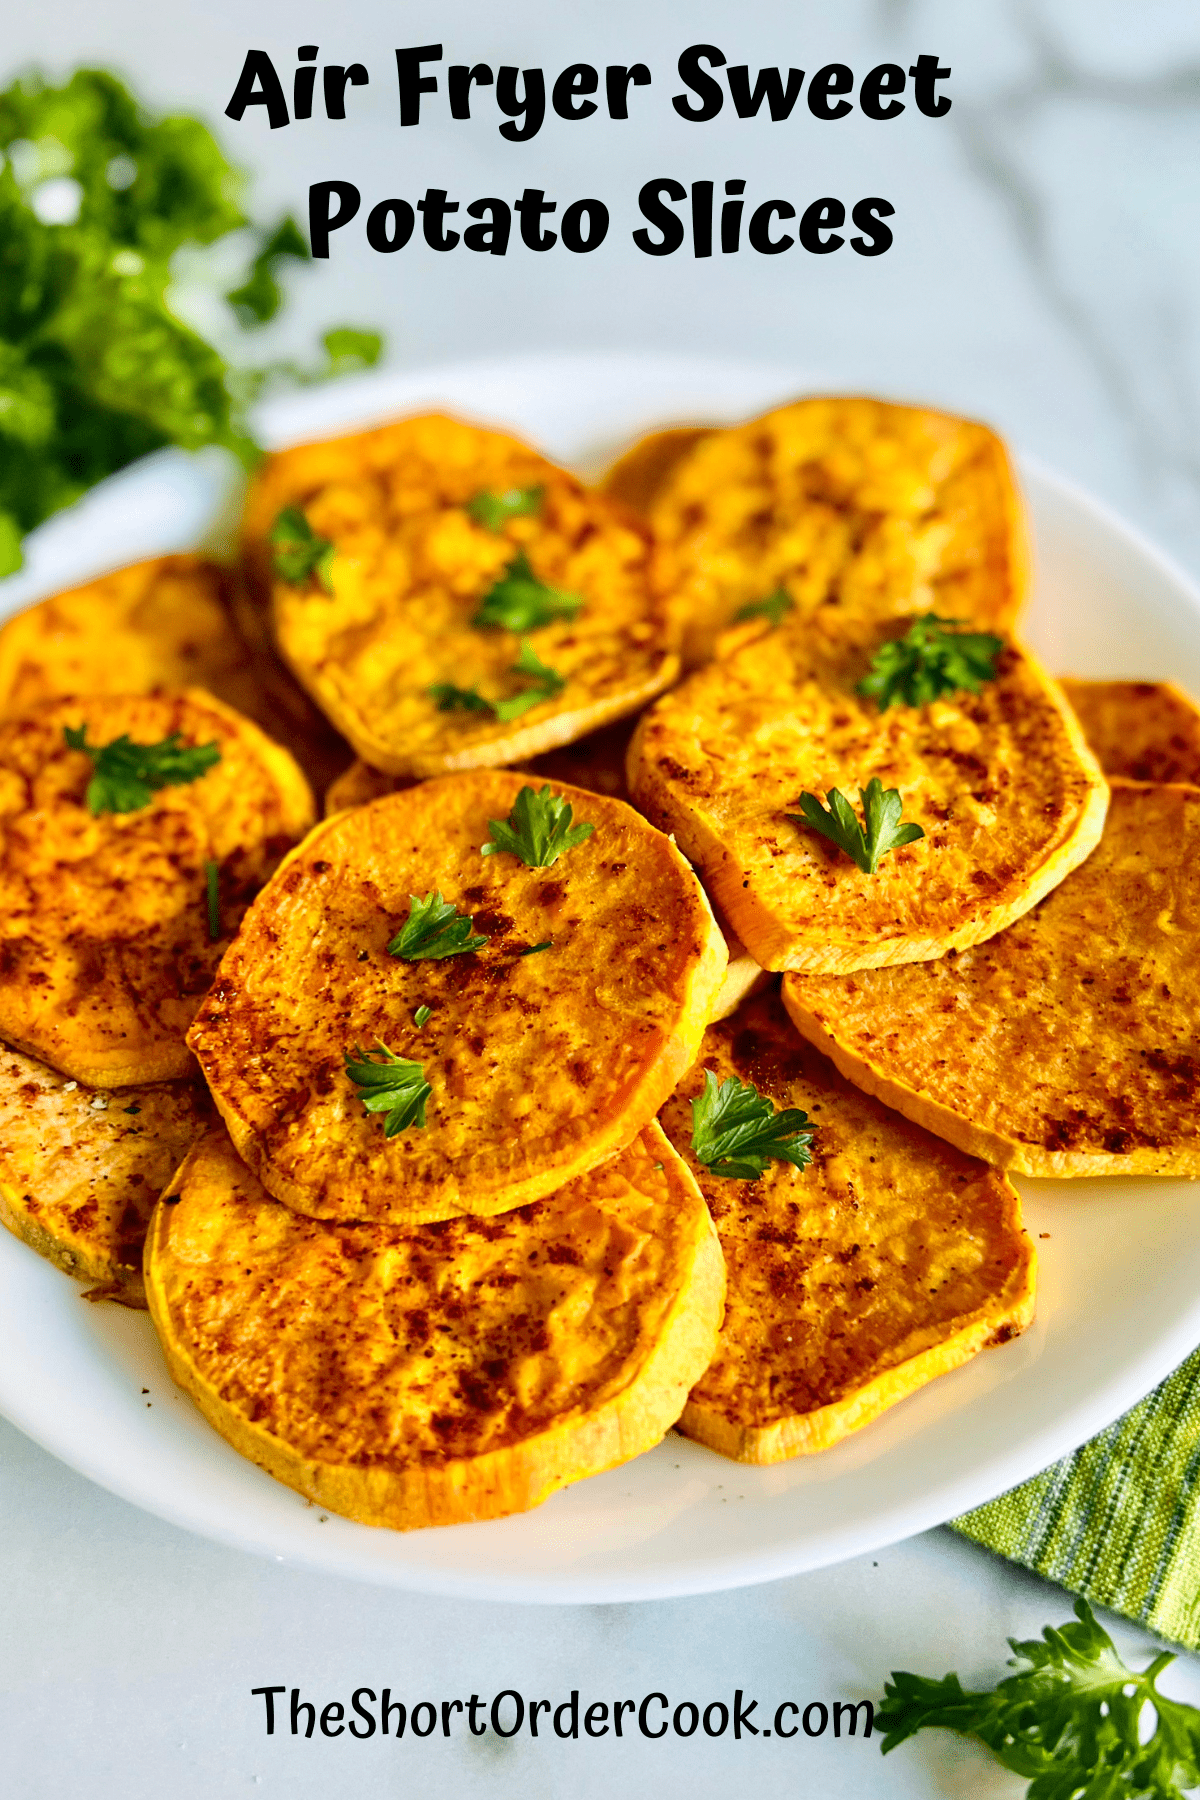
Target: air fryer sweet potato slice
x=157, y=626
x=547, y=1048
x=851, y=1283
x=1008, y=795
x=1142, y=730
x=399, y=634
x=449, y=1372
x=855, y=508
x=1070, y=1043
x=107, y=939
x=81, y=1169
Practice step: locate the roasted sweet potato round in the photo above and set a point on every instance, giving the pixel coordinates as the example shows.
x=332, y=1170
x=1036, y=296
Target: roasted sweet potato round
x=106, y=926
x=1001, y=782
x=891, y=1259
x=409, y=630
x=160, y=624
x=546, y=1048
x=448, y=1372
x=1142, y=730
x=1070, y=1043
x=81, y=1169
x=858, y=509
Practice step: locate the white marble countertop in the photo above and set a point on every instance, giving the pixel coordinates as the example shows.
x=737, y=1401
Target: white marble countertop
x=1045, y=276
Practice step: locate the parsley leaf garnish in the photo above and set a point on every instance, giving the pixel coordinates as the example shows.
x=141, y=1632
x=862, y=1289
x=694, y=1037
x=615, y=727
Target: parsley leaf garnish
x=391, y=1085
x=545, y=684
x=536, y=949
x=520, y=602
x=881, y=811
x=773, y=608
x=1069, y=1721
x=433, y=929
x=493, y=511
x=298, y=551
x=127, y=774
x=538, y=829
x=449, y=698
x=735, y=1129
x=930, y=660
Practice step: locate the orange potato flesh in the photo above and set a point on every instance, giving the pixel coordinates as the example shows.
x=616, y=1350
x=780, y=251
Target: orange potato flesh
x=81, y=1169
x=857, y=509
x=1006, y=791
x=540, y=1065
x=105, y=948
x=1142, y=730
x=851, y=1283
x=168, y=623
x=449, y=1372
x=411, y=569
x=1065, y=1046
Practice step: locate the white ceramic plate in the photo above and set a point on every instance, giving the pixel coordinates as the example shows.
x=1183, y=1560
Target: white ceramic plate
x=1119, y=1300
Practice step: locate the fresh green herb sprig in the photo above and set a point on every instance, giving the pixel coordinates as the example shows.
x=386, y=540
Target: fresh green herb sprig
x=433, y=930
x=1070, y=1720
x=106, y=208
x=260, y=296
x=422, y=1016
x=126, y=774
x=929, y=660
x=538, y=829
x=493, y=511
x=536, y=949
x=392, y=1085
x=545, y=683
x=298, y=552
x=449, y=698
x=774, y=608
x=520, y=602
x=865, y=844
x=736, y=1130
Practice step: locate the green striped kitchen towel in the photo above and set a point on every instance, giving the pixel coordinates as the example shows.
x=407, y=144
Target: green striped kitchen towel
x=1119, y=1520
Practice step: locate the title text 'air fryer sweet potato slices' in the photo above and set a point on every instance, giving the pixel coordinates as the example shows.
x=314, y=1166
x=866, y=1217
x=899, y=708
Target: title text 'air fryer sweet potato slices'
x=851, y=1283
x=856, y=508
x=1000, y=781
x=81, y=1169
x=546, y=1048
x=112, y=922
x=448, y=1372
x=1143, y=730
x=1068, y=1045
x=470, y=603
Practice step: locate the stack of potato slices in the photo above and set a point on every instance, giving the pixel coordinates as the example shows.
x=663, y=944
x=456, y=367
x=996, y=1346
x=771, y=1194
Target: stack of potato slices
x=522, y=1155
x=171, y=622
x=134, y=830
